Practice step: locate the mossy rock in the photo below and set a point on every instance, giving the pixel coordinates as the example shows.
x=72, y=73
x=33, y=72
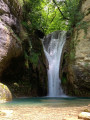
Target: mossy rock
x=5, y=94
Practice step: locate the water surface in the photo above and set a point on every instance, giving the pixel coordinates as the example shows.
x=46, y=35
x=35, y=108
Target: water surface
x=49, y=102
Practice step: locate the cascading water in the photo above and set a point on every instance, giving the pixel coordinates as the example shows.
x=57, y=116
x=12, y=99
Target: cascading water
x=53, y=45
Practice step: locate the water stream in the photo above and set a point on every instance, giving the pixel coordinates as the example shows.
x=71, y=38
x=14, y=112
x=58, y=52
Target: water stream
x=53, y=45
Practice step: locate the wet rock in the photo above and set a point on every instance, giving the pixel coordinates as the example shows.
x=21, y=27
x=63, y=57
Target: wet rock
x=5, y=94
x=84, y=115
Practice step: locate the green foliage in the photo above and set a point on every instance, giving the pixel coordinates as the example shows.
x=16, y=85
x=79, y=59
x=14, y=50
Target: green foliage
x=31, y=14
x=72, y=55
x=20, y=2
x=34, y=58
x=45, y=15
x=72, y=50
x=72, y=12
x=64, y=80
x=83, y=25
x=26, y=59
x=86, y=65
x=49, y=16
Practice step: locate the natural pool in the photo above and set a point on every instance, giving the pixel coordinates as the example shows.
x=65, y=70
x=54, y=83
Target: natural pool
x=45, y=108
x=46, y=101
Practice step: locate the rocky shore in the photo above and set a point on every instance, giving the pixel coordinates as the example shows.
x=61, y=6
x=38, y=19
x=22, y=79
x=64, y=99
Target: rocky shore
x=24, y=112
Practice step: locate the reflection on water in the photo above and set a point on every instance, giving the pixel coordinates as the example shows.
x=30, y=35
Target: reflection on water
x=49, y=102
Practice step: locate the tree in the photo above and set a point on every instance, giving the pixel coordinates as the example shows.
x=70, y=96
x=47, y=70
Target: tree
x=50, y=15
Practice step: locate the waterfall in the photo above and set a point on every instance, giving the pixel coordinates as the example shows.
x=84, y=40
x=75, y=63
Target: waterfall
x=53, y=45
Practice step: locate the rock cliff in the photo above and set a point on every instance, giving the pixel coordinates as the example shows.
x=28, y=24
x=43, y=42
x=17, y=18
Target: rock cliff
x=16, y=70
x=10, y=44
x=77, y=69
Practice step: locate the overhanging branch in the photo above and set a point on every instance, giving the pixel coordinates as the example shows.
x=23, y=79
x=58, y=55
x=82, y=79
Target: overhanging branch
x=60, y=10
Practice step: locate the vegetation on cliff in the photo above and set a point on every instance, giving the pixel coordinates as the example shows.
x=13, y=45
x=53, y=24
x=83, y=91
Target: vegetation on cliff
x=42, y=17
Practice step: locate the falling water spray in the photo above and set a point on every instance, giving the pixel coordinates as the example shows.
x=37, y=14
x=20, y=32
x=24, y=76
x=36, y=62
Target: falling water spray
x=53, y=45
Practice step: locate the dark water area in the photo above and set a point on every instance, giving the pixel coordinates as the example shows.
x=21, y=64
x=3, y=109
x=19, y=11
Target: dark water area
x=49, y=102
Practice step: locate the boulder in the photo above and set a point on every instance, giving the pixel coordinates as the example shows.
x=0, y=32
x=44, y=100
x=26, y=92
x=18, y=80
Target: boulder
x=84, y=115
x=5, y=94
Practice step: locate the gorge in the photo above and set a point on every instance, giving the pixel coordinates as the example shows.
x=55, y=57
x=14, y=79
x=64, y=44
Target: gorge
x=23, y=65
x=44, y=58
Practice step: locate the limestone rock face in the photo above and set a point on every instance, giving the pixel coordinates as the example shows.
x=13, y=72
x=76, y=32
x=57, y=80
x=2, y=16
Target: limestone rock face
x=76, y=64
x=79, y=70
x=82, y=48
x=10, y=45
x=5, y=94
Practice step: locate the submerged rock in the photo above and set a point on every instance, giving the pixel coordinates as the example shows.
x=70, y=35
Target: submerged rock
x=5, y=94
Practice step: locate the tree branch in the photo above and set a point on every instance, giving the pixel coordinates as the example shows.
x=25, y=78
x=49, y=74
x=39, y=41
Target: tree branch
x=53, y=18
x=60, y=11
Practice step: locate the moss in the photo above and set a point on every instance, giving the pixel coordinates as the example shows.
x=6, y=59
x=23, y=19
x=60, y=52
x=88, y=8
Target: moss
x=86, y=64
x=5, y=94
x=64, y=78
x=82, y=25
x=72, y=55
x=34, y=58
x=20, y=2
x=72, y=51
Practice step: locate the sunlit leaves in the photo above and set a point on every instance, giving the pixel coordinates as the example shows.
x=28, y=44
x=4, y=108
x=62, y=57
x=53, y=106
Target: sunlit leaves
x=47, y=16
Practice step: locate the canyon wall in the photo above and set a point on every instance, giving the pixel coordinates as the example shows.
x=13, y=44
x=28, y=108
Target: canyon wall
x=17, y=69
x=76, y=71
x=10, y=44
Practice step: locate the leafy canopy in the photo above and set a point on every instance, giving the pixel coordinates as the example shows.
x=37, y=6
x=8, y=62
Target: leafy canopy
x=50, y=15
